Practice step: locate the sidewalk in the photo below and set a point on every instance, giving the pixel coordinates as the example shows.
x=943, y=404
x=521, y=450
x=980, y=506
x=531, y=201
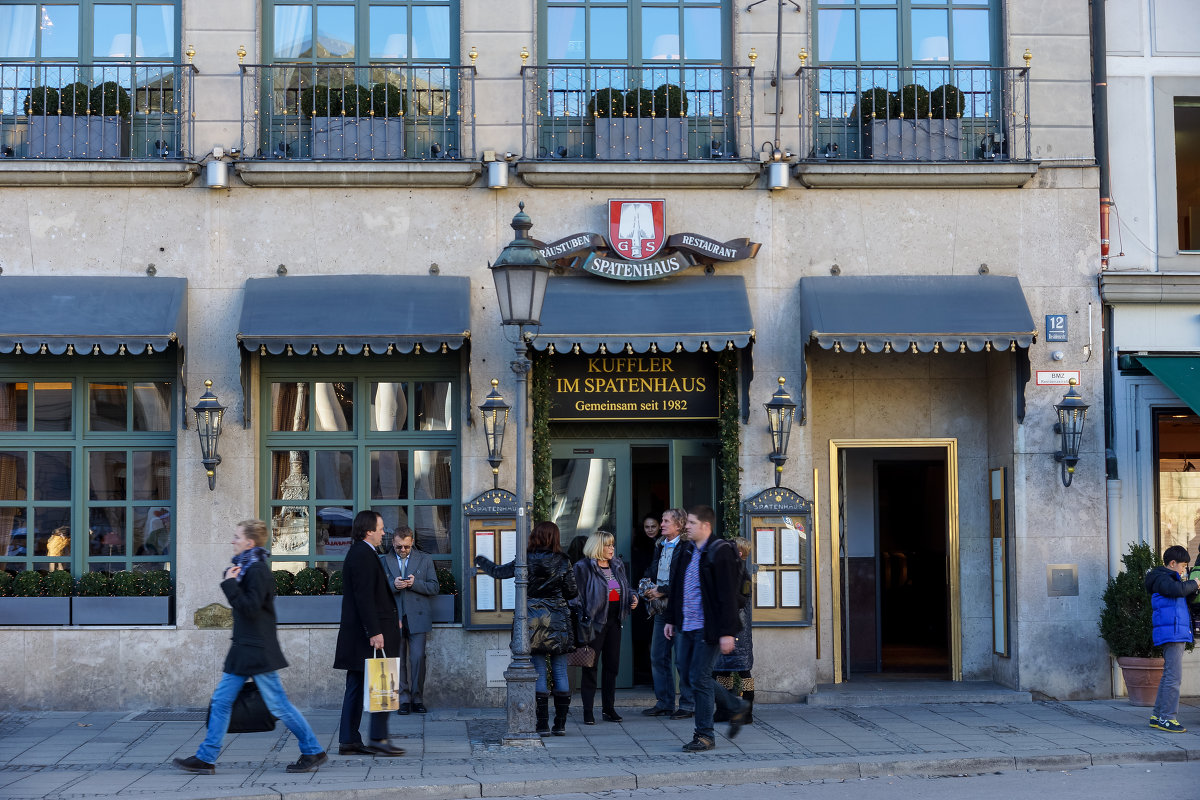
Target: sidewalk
x=455, y=753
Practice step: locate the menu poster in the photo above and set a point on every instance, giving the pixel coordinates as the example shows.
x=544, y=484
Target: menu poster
x=789, y=587
x=485, y=593
x=789, y=548
x=508, y=547
x=508, y=594
x=765, y=539
x=766, y=589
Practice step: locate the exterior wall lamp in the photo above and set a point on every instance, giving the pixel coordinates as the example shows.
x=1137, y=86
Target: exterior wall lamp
x=780, y=413
x=1072, y=414
x=209, y=412
x=495, y=417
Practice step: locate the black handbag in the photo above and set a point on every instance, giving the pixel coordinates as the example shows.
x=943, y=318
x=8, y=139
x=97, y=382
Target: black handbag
x=249, y=713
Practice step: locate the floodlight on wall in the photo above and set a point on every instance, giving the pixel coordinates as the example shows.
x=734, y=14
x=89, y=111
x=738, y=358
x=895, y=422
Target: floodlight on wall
x=216, y=171
x=1072, y=414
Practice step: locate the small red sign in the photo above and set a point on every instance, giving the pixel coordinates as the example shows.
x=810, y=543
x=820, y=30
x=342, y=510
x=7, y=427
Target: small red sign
x=636, y=228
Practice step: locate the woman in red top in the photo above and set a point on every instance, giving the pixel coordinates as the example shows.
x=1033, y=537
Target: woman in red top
x=605, y=599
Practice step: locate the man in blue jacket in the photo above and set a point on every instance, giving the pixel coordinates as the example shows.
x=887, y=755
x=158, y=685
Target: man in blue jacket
x=1172, y=631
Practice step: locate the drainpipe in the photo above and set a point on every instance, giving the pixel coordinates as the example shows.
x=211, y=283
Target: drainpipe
x=1100, y=129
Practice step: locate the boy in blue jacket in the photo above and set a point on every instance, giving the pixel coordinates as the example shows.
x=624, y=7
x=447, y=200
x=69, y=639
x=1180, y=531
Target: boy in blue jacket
x=1172, y=623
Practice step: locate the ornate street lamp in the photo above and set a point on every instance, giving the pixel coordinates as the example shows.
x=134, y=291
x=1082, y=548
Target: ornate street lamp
x=780, y=412
x=495, y=417
x=1072, y=414
x=209, y=412
x=520, y=274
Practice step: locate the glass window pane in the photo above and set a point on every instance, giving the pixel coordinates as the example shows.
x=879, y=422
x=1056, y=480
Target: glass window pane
x=52, y=406
x=333, y=531
x=389, y=407
x=112, y=31
x=878, y=35
x=18, y=22
x=431, y=32
x=50, y=523
x=289, y=531
x=335, y=32
x=152, y=475
x=835, y=33
x=152, y=531
x=585, y=495
x=333, y=406
x=334, y=474
x=52, y=475
x=1178, y=456
x=432, y=527
x=289, y=406
x=60, y=31
x=608, y=34
x=431, y=475
x=930, y=41
x=289, y=475
x=107, y=531
x=433, y=407
x=155, y=32
x=14, y=406
x=14, y=475
x=972, y=41
x=1187, y=171
x=293, y=32
x=389, y=474
x=13, y=535
x=702, y=34
x=393, y=517
x=389, y=32
x=107, y=407
x=152, y=406
x=660, y=33
x=107, y=475
x=564, y=37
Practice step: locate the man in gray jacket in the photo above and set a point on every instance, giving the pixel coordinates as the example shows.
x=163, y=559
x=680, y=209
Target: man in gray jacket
x=413, y=581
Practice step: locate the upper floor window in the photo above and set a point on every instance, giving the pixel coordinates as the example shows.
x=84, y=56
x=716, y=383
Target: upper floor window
x=906, y=32
x=362, y=31
x=635, y=32
x=1187, y=171
x=89, y=31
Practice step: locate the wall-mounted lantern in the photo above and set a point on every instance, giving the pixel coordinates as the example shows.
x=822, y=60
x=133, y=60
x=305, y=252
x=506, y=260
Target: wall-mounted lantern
x=495, y=417
x=1072, y=414
x=780, y=412
x=209, y=412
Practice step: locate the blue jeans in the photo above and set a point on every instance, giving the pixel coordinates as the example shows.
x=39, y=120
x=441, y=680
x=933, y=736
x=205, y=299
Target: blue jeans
x=558, y=668
x=698, y=657
x=271, y=689
x=1166, y=704
x=661, y=650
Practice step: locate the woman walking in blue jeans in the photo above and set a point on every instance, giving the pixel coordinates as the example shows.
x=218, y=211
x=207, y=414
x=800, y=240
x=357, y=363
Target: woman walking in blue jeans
x=250, y=588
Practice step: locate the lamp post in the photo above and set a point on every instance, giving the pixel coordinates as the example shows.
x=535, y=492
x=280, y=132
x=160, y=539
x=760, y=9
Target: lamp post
x=1072, y=414
x=209, y=412
x=520, y=273
x=780, y=412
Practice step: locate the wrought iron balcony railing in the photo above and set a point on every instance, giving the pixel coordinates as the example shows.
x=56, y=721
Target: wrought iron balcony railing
x=649, y=113
x=140, y=111
x=920, y=114
x=379, y=112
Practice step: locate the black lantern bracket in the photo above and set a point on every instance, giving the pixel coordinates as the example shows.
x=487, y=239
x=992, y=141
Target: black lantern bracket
x=1072, y=415
x=209, y=413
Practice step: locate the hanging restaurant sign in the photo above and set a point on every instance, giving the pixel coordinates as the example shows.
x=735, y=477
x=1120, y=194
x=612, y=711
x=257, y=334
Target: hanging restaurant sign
x=671, y=386
x=638, y=247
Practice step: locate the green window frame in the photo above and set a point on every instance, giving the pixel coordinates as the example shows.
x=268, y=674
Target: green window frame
x=90, y=31
x=656, y=33
x=87, y=444
x=360, y=32
x=346, y=434
x=905, y=33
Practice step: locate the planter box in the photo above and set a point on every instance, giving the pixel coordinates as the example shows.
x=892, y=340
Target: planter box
x=916, y=140
x=357, y=138
x=642, y=139
x=78, y=137
x=320, y=609
x=120, y=610
x=35, y=611
x=1142, y=677
x=442, y=608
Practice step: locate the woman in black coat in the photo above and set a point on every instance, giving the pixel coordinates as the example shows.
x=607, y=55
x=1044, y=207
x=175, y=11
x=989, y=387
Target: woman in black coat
x=605, y=599
x=250, y=589
x=551, y=585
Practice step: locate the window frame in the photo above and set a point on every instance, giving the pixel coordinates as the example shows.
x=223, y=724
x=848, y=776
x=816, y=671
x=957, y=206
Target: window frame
x=904, y=9
x=86, y=44
x=362, y=32
x=1166, y=90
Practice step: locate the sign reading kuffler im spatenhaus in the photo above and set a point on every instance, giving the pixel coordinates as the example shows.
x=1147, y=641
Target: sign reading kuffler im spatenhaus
x=672, y=386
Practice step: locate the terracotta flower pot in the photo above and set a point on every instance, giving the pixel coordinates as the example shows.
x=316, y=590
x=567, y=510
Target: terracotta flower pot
x=1142, y=676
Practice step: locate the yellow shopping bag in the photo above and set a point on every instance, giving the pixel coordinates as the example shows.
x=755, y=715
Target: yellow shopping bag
x=381, y=690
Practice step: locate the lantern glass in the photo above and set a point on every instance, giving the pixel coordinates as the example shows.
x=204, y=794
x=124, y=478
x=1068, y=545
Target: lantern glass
x=521, y=292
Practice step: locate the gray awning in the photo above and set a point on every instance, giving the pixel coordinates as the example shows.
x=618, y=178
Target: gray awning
x=92, y=315
x=345, y=313
x=692, y=313
x=895, y=313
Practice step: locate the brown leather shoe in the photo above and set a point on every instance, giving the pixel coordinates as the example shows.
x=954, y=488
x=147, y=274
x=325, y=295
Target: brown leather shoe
x=353, y=749
x=382, y=747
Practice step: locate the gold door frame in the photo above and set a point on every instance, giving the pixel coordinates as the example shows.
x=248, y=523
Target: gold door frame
x=950, y=448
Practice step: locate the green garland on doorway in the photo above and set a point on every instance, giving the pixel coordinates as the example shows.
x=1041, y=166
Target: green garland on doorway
x=540, y=381
x=729, y=432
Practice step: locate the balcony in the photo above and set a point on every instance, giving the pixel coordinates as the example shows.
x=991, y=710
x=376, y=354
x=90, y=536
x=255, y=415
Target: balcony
x=98, y=124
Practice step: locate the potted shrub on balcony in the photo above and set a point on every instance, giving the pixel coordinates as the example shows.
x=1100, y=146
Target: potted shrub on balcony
x=643, y=126
x=920, y=125
x=309, y=604
x=79, y=122
x=25, y=599
x=354, y=122
x=443, y=602
x=123, y=598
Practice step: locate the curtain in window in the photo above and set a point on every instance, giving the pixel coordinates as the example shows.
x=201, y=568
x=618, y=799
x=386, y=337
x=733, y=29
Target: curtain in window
x=17, y=30
x=287, y=412
x=8, y=464
x=293, y=28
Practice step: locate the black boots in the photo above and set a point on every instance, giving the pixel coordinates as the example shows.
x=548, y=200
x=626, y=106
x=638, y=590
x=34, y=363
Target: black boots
x=543, y=713
x=562, y=703
x=748, y=696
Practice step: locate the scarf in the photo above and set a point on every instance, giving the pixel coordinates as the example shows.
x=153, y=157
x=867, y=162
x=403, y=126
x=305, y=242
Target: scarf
x=247, y=557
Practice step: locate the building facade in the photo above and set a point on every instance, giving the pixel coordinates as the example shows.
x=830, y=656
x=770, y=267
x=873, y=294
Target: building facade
x=890, y=205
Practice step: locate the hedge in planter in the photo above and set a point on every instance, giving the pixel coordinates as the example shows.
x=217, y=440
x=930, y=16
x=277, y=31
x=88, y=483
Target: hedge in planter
x=27, y=603
x=123, y=598
x=310, y=604
x=354, y=122
x=653, y=128
x=78, y=121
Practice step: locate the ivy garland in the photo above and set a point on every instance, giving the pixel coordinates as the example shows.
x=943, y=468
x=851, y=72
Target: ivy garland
x=541, y=378
x=729, y=433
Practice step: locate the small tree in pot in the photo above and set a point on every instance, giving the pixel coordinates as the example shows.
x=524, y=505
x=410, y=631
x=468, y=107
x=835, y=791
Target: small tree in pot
x=79, y=121
x=653, y=128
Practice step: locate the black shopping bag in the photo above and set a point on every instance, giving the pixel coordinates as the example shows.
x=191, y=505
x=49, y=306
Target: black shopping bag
x=249, y=713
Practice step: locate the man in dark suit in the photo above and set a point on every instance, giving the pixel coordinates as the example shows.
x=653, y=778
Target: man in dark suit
x=369, y=623
x=413, y=581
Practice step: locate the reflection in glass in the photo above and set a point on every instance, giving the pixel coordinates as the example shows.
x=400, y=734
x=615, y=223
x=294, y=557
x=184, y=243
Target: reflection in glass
x=335, y=32
x=18, y=22
x=431, y=474
x=702, y=34
x=878, y=35
x=1178, y=465
x=112, y=26
x=389, y=474
x=152, y=475
x=106, y=407
x=52, y=475
x=333, y=406
x=584, y=495
x=393, y=517
x=835, y=33
x=152, y=531
x=432, y=402
x=333, y=530
x=289, y=475
x=155, y=31
x=60, y=31
x=107, y=526
x=334, y=474
x=107, y=475
x=431, y=32
x=660, y=33
x=564, y=36
x=289, y=530
x=930, y=41
x=46, y=522
x=152, y=406
x=389, y=407
x=13, y=535
x=289, y=406
x=971, y=36
x=293, y=31
x=14, y=475
x=58, y=543
x=698, y=481
x=432, y=527
x=14, y=405
x=51, y=406
x=389, y=32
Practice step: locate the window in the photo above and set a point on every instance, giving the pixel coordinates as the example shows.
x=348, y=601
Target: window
x=86, y=32
x=87, y=467
x=905, y=32
x=1187, y=171
x=362, y=31
x=1177, y=454
x=380, y=436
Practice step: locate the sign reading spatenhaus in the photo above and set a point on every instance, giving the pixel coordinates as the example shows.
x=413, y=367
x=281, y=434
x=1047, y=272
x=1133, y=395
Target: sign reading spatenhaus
x=672, y=386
